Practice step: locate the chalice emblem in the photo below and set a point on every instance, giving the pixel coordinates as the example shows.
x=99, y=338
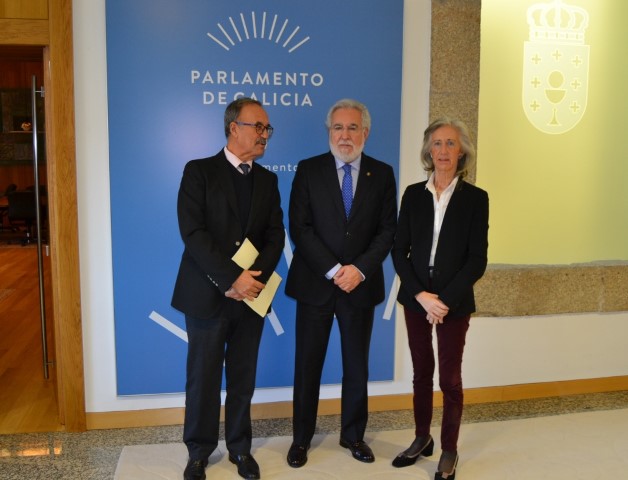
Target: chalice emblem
x=555, y=94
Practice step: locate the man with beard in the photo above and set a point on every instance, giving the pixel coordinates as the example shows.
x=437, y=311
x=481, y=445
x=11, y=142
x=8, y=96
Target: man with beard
x=343, y=213
x=222, y=201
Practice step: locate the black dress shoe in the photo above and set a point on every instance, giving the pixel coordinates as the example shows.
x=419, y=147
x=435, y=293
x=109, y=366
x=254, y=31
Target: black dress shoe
x=195, y=470
x=447, y=466
x=247, y=466
x=421, y=446
x=360, y=450
x=297, y=455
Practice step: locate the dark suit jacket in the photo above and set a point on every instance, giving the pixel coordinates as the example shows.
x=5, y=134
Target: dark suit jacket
x=461, y=254
x=211, y=231
x=323, y=237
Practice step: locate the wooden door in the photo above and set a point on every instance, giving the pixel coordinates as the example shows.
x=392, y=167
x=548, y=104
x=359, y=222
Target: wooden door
x=48, y=24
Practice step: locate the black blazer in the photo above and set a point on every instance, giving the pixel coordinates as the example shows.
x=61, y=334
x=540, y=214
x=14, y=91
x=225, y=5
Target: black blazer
x=323, y=237
x=461, y=254
x=211, y=231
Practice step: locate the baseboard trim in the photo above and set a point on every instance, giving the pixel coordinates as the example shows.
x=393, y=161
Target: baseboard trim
x=505, y=393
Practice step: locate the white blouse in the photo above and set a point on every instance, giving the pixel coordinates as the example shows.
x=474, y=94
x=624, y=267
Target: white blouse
x=440, y=206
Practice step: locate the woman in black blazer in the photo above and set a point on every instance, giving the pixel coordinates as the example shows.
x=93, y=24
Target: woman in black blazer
x=440, y=251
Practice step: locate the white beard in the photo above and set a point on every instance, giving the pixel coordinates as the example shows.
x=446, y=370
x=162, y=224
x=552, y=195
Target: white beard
x=344, y=157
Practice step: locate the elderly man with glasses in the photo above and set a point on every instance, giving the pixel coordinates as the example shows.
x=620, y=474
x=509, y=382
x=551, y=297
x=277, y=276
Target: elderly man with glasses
x=218, y=208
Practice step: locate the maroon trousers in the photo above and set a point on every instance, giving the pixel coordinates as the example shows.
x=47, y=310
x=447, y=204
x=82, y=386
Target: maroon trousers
x=451, y=340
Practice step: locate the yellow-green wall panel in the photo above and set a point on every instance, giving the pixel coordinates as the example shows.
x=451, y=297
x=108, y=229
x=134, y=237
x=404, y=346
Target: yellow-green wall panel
x=556, y=198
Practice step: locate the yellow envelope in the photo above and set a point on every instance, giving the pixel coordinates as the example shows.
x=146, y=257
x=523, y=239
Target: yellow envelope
x=244, y=257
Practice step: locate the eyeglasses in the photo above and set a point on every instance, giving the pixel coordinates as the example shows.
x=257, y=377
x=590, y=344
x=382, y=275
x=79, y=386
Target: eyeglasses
x=259, y=128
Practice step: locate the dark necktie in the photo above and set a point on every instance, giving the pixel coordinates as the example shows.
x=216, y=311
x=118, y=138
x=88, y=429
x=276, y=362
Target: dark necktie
x=347, y=189
x=245, y=168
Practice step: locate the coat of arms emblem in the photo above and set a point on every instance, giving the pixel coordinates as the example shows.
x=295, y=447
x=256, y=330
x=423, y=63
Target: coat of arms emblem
x=555, y=66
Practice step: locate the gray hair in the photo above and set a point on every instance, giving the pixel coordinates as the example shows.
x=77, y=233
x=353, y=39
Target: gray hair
x=350, y=103
x=466, y=162
x=232, y=112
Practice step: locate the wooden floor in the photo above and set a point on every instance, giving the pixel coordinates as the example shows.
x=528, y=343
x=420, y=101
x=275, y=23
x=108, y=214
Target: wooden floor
x=27, y=401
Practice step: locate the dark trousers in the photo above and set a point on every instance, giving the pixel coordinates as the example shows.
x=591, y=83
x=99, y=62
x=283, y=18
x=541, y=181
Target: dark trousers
x=451, y=340
x=232, y=338
x=313, y=327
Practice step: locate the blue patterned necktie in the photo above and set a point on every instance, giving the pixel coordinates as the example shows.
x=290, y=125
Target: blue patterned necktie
x=245, y=168
x=347, y=189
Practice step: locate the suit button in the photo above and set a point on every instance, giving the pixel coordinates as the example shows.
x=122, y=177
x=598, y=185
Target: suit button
x=237, y=244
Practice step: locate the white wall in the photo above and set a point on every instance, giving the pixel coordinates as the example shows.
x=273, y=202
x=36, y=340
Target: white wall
x=499, y=352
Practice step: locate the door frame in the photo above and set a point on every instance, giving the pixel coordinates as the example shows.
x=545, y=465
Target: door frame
x=54, y=35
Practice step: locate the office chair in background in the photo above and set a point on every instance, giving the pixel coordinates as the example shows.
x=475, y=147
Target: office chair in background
x=22, y=213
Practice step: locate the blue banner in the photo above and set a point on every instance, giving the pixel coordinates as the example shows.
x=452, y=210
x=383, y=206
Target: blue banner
x=172, y=69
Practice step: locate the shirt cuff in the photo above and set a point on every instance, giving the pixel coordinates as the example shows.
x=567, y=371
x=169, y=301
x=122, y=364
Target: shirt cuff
x=329, y=275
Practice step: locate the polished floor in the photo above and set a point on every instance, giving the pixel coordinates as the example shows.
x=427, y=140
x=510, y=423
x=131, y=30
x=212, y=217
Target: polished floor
x=94, y=455
x=27, y=399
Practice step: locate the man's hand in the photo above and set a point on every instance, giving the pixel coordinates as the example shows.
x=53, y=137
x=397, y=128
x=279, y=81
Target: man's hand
x=245, y=286
x=231, y=293
x=347, y=278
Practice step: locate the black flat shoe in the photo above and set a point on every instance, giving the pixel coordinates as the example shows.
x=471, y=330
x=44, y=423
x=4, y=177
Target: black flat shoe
x=447, y=466
x=247, y=466
x=195, y=470
x=360, y=450
x=297, y=455
x=421, y=446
